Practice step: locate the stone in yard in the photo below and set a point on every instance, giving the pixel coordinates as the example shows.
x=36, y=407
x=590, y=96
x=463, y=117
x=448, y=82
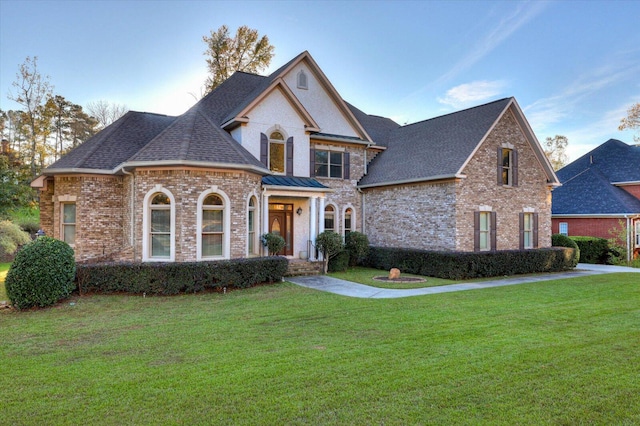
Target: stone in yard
x=394, y=274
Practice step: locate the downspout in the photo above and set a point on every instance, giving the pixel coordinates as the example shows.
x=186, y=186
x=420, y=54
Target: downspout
x=132, y=211
x=629, y=234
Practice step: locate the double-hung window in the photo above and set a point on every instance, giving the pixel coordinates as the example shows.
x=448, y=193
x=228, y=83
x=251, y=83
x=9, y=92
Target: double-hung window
x=212, y=232
x=69, y=223
x=484, y=231
x=507, y=166
x=328, y=164
x=160, y=226
x=329, y=219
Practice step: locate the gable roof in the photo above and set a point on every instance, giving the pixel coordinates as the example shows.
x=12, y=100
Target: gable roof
x=589, y=183
x=439, y=148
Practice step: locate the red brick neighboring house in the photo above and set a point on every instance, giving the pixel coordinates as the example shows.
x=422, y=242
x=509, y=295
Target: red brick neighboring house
x=600, y=193
x=286, y=154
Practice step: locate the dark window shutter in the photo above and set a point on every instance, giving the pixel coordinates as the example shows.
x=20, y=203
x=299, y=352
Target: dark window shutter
x=499, y=166
x=535, y=230
x=476, y=231
x=521, y=228
x=347, y=165
x=494, y=232
x=312, y=162
x=514, y=168
x=290, y=156
x=264, y=149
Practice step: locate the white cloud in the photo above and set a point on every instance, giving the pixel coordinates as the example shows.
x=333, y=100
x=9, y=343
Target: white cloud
x=472, y=93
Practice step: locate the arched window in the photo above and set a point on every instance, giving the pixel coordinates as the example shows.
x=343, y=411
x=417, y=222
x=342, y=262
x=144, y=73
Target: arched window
x=212, y=229
x=276, y=153
x=330, y=218
x=252, y=244
x=348, y=221
x=159, y=226
x=302, y=80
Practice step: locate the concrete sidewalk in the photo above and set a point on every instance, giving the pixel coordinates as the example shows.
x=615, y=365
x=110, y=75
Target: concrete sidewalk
x=351, y=289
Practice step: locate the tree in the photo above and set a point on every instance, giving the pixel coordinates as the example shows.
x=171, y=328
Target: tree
x=555, y=149
x=632, y=121
x=105, y=112
x=31, y=91
x=330, y=245
x=244, y=52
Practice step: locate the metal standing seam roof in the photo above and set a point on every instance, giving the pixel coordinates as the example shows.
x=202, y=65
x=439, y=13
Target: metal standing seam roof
x=293, y=182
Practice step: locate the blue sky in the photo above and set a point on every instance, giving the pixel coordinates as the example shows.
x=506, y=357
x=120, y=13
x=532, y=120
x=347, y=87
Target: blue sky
x=573, y=67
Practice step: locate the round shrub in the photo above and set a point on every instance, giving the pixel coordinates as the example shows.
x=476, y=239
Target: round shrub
x=559, y=240
x=274, y=242
x=42, y=274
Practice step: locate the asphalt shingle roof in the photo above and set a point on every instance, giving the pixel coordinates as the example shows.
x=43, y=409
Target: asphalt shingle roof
x=432, y=148
x=587, y=182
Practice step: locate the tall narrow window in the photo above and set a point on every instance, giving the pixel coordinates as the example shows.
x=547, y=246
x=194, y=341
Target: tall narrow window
x=527, y=230
x=251, y=227
x=276, y=153
x=485, y=231
x=160, y=229
x=484, y=238
x=212, y=232
x=348, y=222
x=329, y=219
x=637, y=233
x=69, y=223
x=506, y=166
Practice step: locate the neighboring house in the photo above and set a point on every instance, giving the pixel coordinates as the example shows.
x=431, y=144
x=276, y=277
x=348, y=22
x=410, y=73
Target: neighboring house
x=286, y=154
x=600, y=195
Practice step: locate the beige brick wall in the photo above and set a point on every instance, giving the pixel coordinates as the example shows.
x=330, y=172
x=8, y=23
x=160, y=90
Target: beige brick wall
x=419, y=215
x=481, y=188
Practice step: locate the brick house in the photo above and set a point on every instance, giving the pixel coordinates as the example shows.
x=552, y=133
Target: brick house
x=600, y=193
x=286, y=154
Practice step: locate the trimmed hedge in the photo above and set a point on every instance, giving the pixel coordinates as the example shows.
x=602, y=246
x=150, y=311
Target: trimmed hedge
x=559, y=240
x=340, y=262
x=180, y=277
x=592, y=249
x=468, y=265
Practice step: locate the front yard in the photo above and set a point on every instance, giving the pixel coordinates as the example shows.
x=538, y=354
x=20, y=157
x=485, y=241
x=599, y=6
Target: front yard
x=558, y=352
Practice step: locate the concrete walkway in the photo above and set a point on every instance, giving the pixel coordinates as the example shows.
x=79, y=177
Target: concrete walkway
x=351, y=289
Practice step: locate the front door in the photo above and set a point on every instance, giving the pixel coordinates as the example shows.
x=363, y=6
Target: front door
x=281, y=223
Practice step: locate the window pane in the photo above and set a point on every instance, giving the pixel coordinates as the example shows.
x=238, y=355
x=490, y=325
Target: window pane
x=252, y=242
x=322, y=157
x=251, y=221
x=212, y=221
x=484, y=221
x=212, y=245
x=527, y=239
x=336, y=171
x=160, y=245
x=69, y=213
x=276, y=157
x=336, y=158
x=69, y=234
x=212, y=200
x=506, y=157
x=322, y=170
x=160, y=220
x=161, y=199
x=484, y=241
x=329, y=223
x=277, y=135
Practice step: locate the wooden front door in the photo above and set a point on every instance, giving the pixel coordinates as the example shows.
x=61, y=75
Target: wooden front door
x=281, y=223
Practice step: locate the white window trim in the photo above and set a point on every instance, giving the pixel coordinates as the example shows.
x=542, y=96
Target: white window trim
x=256, y=225
x=146, y=226
x=353, y=218
x=566, y=226
x=226, y=217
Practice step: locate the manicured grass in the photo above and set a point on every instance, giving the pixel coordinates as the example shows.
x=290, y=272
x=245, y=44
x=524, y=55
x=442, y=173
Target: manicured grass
x=557, y=352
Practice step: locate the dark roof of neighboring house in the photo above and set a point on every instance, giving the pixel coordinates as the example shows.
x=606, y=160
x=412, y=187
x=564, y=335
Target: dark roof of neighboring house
x=590, y=192
x=116, y=143
x=588, y=183
x=434, y=148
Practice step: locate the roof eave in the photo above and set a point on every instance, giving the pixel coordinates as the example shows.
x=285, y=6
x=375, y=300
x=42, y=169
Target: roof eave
x=595, y=215
x=340, y=139
x=191, y=163
x=418, y=180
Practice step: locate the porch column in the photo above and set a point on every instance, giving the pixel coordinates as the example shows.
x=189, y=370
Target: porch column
x=321, y=216
x=313, y=217
x=265, y=217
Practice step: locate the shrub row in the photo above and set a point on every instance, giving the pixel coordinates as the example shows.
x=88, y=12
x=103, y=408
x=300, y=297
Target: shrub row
x=593, y=249
x=174, y=278
x=466, y=265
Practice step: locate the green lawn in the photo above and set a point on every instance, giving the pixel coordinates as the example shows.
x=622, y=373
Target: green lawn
x=557, y=352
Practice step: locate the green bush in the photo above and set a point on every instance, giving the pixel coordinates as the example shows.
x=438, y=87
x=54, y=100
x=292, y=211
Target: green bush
x=468, y=265
x=11, y=237
x=559, y=240
x=357, y=245
x=41, y=274
x=593, y=249
x=330, y=245
x=275, y=243
x=180, y=277
x=340, y=262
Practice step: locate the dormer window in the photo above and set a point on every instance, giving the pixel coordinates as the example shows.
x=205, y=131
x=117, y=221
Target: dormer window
x=302, y=80
x=276, y=153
